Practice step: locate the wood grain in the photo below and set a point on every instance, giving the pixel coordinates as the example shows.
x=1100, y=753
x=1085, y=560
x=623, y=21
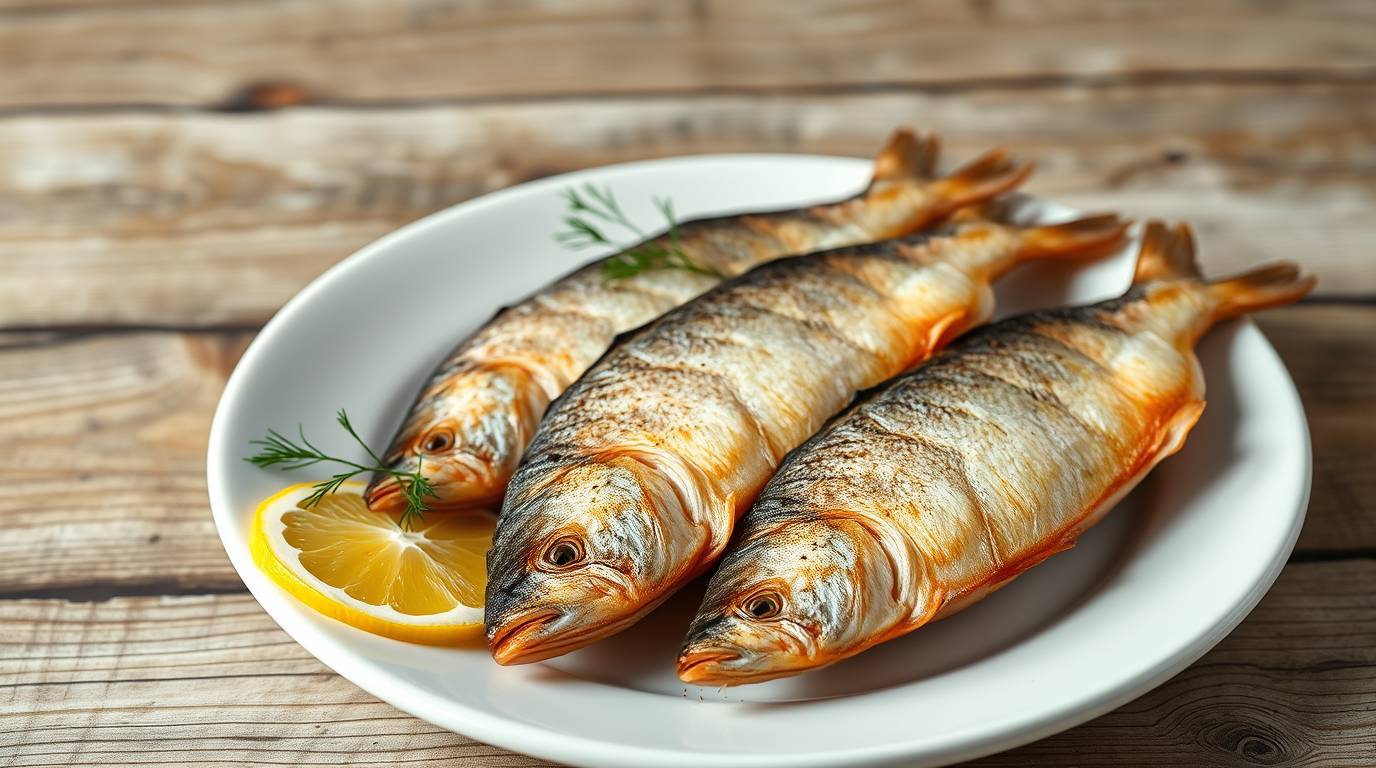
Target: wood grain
x=102, y=444
x=207, y=680
x=215, y=52
x=102, y=463
x=1331, y=354
x=211, y=680
x=172, y=172
x=1291, y=686
x=185, y=219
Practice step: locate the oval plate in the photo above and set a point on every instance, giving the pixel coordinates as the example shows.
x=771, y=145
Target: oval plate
x=1148, y=591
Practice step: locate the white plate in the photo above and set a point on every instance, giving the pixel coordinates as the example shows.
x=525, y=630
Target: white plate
x=1148, y=591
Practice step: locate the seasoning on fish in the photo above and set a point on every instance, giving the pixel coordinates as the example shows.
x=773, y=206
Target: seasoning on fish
x=473, y=418
x=635, y=478
x=964, y=473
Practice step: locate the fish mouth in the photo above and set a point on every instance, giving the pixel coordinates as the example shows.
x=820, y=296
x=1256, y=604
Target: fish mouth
x=461, y=483
x=383, y=494
x=525, y=640
x=511, y=643
x=704, y=667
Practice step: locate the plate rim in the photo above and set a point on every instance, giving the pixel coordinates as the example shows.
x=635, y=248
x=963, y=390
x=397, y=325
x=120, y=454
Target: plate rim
x=531, y=739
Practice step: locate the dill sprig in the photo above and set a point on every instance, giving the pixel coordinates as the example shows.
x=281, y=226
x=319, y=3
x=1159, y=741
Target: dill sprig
x=277, y=450
x=592, y=211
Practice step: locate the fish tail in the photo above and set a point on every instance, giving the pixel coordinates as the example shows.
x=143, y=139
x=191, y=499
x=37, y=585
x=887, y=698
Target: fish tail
x=1168, y=256
x=906, y=156
x=1262, y=288
x=1082, y=238
x=988, y=175
x=998, y=210
x=1166, y=253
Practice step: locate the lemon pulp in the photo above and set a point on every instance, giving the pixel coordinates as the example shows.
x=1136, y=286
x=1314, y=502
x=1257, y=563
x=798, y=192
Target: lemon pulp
x=359, y=566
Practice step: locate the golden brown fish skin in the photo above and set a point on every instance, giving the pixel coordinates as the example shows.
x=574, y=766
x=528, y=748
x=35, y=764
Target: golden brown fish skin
x=472, y=420
x=963, y=473
x=634, y=479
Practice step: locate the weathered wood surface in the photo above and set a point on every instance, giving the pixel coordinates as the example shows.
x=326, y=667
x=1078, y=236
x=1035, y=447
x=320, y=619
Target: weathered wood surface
x=211, y=52
x=194, y=219
x=153, y=215
x=211, y=680
x=102, y=442
x=208, y=680
x=102, y=463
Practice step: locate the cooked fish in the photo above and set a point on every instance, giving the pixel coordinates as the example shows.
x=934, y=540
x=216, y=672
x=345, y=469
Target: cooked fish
x=634, y=479
x=969, y=470
x=473, y=418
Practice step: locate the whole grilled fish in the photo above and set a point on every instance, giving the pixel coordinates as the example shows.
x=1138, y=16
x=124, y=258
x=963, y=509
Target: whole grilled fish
x=967, y=471
x=473, y=418
x=635, y=478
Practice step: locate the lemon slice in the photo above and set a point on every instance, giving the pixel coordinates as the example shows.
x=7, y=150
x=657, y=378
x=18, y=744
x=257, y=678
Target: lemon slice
x=348, y=562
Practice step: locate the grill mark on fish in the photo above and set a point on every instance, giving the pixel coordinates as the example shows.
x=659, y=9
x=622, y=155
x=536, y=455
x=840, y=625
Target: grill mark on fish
x=950, y=457
x=555, y=307
x=824, y=287
x=724, y=384
x=1004, y=490
x=1042, y=386
x=958, y=410
x=569, y=312
x=664, y=298
x=809, y=324
x=1029, y=421
x=1114, y=337
x=698, y=333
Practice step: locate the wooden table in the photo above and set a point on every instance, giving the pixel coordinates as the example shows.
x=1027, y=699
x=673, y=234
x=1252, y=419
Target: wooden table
x=171, y=172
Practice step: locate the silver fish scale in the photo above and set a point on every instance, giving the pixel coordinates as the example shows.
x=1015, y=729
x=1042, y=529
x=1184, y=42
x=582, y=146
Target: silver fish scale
x=476, y=413
x=742, y=360
x=965, y=454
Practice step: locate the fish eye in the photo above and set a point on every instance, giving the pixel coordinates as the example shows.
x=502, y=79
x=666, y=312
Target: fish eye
x=437, y=441
x=763, y=605
x=564, y=553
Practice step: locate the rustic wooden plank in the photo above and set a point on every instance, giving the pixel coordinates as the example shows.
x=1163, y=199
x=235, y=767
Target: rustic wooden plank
x=201, y=219
x=207, y=680
x=102, y=439
x=212, y=680
x=1294, y=684
x=211, y=52
x=1331, y=353
x=102, y=462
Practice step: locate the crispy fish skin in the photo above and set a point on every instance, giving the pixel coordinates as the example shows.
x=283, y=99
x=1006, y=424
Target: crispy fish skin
x=632, y=485
x=472, y=420
x=967, y=471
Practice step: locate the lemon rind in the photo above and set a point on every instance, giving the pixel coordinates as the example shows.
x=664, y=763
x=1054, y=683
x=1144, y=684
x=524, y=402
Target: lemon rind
x=282, y=565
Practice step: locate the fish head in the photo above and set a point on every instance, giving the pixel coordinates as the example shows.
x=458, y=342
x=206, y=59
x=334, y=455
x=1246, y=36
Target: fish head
x=580, y=556
x=788, y=598
x=464, y=434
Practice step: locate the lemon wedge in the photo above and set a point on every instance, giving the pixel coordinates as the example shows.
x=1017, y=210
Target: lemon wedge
x=423, y=585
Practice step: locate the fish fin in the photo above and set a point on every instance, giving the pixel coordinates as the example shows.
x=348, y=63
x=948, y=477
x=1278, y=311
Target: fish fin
x=959, y=602
x=906, y=156
x=987, y=176
x=1165, y=253
x=945, y=330
x=1081, y=238
x=1262, y=288
x=998, y=210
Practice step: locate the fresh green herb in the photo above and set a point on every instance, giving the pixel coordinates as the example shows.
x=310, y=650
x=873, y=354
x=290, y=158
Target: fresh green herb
x=277, y=450
x=594, y=209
